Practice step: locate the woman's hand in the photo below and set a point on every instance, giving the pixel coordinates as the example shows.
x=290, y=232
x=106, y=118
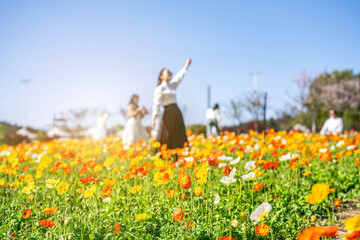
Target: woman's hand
x=145, y=110
x=187, y=63
x=153, y=123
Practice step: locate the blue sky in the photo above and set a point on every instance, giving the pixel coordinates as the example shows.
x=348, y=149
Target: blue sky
x=95, y=54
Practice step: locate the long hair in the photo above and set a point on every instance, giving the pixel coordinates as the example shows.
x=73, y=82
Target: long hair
x=132, y=99
x=161, y=72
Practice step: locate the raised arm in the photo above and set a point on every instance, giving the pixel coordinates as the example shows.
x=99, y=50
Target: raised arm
x=174, y=82
x=156, y=105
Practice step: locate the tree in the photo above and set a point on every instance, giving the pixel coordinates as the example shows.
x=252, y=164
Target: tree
x=252, y=104
x=233, y=111
x=337, y=90
x=74, y=121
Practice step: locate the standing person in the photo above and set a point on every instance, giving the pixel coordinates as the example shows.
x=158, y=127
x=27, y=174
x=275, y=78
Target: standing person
x=333, y=125
x=172, y=128
x=100, y=131
x=213, y=120
x=134, y=130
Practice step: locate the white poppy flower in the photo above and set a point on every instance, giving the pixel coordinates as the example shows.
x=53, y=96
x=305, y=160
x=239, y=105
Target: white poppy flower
x=260, y=212
x=225, y=158
x=340, y=143
x=249, y=176
x=323, y=150
x=249, y=149
x=250, y=165
x=232, y=173
x=283, y=141
x=189, y=159
x=285, y=157
x=107, y=199
x=227, y=180
x=235, y=161
x=256, y=146
x=352, y=147
x=217, y=199
x=221, y=165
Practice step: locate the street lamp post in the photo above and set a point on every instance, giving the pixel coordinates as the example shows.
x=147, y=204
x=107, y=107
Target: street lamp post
x=255, y=85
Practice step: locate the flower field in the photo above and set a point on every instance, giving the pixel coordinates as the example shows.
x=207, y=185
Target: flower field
x=288, y=186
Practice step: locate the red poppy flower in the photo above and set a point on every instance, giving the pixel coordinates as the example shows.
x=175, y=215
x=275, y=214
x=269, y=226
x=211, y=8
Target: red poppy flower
x=26, y=213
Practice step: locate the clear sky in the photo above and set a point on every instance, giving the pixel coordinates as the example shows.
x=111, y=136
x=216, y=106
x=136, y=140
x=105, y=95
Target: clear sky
x=95, y=54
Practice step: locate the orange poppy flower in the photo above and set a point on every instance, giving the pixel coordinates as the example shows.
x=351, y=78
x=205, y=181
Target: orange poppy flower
x=184, y=181
x=182, y=195
x=337, y=203
x=262, y=230
x=117, y=228
x=182, y=171
x=258, y=186
x=190, y=224
x=47, y=223
x=226, y=170
x=317, y=232
x=353, y=235
x=26, y=213
x=49, y=210
x=357, y=162
x=330, y=231
x=178, y=215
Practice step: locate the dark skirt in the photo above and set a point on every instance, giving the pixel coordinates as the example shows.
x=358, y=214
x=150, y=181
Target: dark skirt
x=172, y=128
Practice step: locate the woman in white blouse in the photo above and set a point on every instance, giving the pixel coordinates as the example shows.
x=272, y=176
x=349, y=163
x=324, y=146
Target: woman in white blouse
x=172, y=128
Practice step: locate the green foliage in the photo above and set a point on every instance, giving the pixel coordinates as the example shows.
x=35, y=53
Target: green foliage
x=92, y=218
x=197, y=128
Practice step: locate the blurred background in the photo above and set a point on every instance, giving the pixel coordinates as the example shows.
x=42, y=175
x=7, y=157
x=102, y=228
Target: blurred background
x=62, y=62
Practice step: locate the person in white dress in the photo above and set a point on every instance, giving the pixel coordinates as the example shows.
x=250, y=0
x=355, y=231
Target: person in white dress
x=333, y=125
x=213, y=120
x=100, y=131
x=172, y=128
x=134, y=130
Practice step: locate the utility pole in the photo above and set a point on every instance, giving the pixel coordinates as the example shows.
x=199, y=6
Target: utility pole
x=255, y=86
x=265, y=99
x=208, y=88
x=26, y=83
x=264, y=108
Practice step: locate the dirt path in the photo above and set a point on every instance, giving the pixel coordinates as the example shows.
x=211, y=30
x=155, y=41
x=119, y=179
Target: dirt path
x=348, y=209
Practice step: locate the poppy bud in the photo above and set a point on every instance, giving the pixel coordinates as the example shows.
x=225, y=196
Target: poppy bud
x=234, y=223
x=242, y=216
